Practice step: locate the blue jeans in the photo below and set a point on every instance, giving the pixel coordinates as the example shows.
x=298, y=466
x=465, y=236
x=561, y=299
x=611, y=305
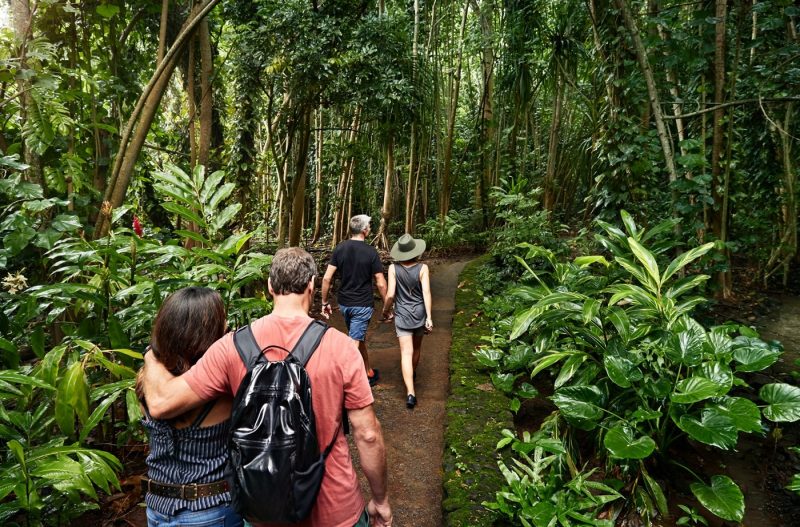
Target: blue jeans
x=357, y=320
x=220, y=516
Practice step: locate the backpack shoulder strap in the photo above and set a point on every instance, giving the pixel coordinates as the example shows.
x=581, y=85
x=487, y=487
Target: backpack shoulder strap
x=309, y=341
x=247, y=347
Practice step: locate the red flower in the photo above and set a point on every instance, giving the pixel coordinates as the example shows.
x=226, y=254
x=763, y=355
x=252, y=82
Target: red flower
x=137, y=227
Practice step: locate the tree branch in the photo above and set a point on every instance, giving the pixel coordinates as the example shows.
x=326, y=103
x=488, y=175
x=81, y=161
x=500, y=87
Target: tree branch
x=731, y=103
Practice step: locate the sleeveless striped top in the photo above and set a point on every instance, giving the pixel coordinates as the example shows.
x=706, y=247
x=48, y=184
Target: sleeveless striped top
x=409, y=310
x=182, y=456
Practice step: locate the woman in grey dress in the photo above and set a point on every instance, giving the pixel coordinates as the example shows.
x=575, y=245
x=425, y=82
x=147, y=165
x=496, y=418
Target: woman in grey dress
x=410, y=292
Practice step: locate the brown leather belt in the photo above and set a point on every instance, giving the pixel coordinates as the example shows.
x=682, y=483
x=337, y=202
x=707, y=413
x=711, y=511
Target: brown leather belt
x=191, y=492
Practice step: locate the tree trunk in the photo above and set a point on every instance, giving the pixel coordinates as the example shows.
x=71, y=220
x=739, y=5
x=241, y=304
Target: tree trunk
x=718, y=220
x=162, y=33
x=486, y=18
x=386, y=211
x=318, y=194
x=299, y=183
x=206, y=94
x=340, y=217
x=552, y=145
x=444, y=197
x=652, y=91
x=144, y=113
x=22, y=17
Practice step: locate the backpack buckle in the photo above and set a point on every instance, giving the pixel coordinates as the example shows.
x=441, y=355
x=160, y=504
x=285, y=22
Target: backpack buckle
x=190, y=496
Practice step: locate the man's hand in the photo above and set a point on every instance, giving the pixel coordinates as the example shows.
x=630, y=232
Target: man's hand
x=380, y=515
x=388, y=316
x=327, y=310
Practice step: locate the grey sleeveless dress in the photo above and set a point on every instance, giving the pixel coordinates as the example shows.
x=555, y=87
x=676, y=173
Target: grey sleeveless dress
x=409, y=311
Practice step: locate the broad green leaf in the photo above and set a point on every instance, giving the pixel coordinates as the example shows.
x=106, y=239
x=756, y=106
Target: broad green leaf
x=503, y=381
x=719, y=373
x=97, y=416
x=723, y=498
x=133, y=406
x=66, y=223
x=568, y=369
x=221, y=194
x=744, y=413
x=37, y=341
x=14, y=377
x=754, y=354
x=72, y=393
x=580, y=402
x=694, y=389
x=116, y=335
x=542, y=514
x=685, y=284
x=621, y=442
x=523, y=321
x=647, y=259
x=630, y=225
x=686, y=347
x=656, y=492
x=210, y=185
x=621, y=371
x=549, y=360
x=18, y=239
x=526, y=391
x=585, y=261
x=621, y=322
x=488, y=357
x=713, y=428
x=783, y=402
x=591, y=308
x=685, y=259
x=639, y=273
x=183, y=212
x=226, y=215
x=633, y=293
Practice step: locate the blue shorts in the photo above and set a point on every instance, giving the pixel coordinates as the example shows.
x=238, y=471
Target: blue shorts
x=357, y=320
x=219, y=516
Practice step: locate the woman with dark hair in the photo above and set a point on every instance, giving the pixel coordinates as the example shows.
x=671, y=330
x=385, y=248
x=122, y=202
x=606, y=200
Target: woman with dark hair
x=410, y=291
x=185, y=482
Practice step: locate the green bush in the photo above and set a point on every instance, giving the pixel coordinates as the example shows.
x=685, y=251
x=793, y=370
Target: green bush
x=632, y=367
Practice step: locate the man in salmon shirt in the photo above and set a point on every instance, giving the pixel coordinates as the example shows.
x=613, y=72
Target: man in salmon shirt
x=338, y=379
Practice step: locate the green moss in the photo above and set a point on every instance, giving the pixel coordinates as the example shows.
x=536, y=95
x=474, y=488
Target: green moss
x=476, y=414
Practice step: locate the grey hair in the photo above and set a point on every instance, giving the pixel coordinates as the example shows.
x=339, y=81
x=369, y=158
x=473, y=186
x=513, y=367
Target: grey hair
x=291, y=271
x=359, y=224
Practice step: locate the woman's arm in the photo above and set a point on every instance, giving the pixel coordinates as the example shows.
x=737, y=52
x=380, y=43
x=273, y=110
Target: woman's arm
x=425, y=279
x=390, y=291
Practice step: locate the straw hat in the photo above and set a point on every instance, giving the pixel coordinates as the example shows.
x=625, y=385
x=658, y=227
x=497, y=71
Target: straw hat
x=407, y=248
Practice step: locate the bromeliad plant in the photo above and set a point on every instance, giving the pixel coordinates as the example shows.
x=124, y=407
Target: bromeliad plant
x=631, y=365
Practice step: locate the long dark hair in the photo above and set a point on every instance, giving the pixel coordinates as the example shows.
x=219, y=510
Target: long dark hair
x=189, y=321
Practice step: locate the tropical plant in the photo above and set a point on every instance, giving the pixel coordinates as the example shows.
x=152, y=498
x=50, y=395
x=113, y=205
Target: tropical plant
x=631, y=366
x=545, y=488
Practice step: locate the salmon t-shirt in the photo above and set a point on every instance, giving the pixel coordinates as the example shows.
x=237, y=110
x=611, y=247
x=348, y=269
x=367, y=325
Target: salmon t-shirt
x=337, y=378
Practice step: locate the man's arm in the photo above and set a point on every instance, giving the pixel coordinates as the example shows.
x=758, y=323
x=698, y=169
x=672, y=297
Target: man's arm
x=380, y=282
x=166, y=395
x=326, y=287
x=368, y=437
x=389, y=300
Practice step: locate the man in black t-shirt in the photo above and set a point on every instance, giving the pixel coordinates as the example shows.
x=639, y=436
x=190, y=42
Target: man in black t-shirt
x=357, y=263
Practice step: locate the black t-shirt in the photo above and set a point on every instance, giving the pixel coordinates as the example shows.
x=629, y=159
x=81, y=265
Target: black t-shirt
x=356, y=262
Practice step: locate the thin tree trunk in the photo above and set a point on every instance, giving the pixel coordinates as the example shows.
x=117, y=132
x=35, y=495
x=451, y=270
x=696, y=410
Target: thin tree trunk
x=192, y=104
x=486, y=18
x=386, y=210
x=144, y=113
x=300, y=180
x=552, y=145
x=444, y=198
x=206, y=94
x=318, y=195
x=162, y=33
x=340, y=218
x=411, y=187
x=719, y=135
x=652, y=91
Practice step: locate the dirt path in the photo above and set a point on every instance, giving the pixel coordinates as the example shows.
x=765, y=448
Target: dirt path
x=414, y=439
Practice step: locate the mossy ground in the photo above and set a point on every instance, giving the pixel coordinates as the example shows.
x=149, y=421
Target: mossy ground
x=476, y=413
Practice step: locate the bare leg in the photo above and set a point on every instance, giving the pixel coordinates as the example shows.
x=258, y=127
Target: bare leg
x=406, y=362
x=362, y=347
x=417, y=350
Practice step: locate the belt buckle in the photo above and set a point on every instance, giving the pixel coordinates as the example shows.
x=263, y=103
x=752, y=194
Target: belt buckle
x=193, y=488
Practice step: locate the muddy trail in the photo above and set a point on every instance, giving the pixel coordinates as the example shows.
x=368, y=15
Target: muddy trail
x=414, y=438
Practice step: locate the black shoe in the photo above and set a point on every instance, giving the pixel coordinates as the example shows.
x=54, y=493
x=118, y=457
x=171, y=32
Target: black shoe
x=411, y=401
x=375, y=377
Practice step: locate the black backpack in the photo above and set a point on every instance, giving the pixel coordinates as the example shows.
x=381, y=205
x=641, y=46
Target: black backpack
x=275, y=468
